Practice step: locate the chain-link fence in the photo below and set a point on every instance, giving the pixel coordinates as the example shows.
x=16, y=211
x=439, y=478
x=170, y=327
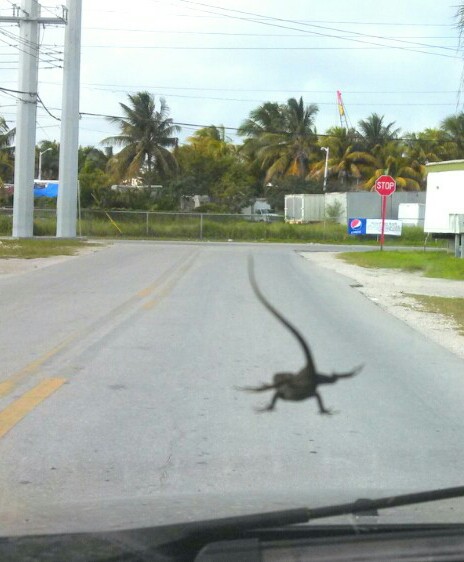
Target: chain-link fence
x=97, y=223
x=151, y=224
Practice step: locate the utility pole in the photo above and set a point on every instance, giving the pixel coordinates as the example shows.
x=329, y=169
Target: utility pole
x=23, y=205
x=69, y=144
x=28, y=17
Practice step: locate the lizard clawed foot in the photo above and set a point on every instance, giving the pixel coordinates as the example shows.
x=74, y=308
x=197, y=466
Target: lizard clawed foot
x=263, y=409
x=327, y=412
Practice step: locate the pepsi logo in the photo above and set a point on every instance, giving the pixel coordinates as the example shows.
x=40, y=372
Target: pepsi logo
x=356, y=223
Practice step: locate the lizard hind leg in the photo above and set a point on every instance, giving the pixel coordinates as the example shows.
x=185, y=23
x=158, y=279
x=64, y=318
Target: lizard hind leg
x=270, y=406
x=322, y=409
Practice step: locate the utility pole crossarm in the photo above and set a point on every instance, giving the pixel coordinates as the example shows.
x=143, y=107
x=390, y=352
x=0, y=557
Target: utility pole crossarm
x=17, y=17
x=44, y=21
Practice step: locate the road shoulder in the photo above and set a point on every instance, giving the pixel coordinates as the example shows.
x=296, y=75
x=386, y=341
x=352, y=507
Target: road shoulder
x=16, y=266
x=390, y=289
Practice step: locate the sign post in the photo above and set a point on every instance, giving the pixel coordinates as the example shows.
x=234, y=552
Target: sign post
x=385, y=186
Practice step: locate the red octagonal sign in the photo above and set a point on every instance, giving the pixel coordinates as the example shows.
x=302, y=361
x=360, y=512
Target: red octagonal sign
x=385, y=185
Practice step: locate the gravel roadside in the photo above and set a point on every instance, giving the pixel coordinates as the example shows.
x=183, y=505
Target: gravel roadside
x=389, y=288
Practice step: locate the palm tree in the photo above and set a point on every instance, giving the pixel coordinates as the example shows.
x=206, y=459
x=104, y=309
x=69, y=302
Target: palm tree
x=375, y=133
x=267, y=118
x=283, y=138
x=430, y=145
x=453, y=127
x=346, y=162
x=460, y=25
x=146, y=136
x=212, y=141
x=4, y=133
x=392, y=159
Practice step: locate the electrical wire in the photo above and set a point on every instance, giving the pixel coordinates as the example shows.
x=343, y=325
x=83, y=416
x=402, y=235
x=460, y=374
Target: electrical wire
x=197, y=126
x=191, y=48
x=39, y=99
x=243, y=34
x=17, y=91
x=269, y=21
x=104, y=86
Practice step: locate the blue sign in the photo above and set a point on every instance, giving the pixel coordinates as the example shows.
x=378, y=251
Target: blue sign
x=374, y=226
x=46, y=189
x=357, y=226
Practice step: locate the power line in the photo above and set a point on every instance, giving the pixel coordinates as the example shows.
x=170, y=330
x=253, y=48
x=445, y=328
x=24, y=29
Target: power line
x=216, y=48
x=266, y=90
x=17, y=91
x=268, y=19
x=26, y=47
x=46, y=109
x=244, y=34
x=202, y=126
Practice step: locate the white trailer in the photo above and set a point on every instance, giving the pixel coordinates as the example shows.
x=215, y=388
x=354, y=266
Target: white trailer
x=411, y=214
x=304, y=207
x=444, y=203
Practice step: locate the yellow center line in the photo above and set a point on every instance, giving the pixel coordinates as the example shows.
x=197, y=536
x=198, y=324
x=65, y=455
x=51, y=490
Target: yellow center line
x=145, y=292
x=163, y=286
x=151, y=304
x=175, y=271
x=18, y=409
x=9, y=384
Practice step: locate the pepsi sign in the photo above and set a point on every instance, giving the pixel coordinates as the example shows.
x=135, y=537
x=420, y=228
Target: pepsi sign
x=356, y=226
x=374, y=226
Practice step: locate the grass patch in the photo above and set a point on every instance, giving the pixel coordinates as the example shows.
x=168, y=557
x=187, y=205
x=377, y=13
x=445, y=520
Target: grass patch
x=34, y=248
x=220, y=228
x=430, y=264
x=214, y=227
x=451, y=307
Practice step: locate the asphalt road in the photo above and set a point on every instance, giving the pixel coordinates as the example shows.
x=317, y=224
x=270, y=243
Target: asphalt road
x=117, y=398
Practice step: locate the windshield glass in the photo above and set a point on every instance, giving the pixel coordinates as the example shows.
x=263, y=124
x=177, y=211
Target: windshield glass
x=167, y=356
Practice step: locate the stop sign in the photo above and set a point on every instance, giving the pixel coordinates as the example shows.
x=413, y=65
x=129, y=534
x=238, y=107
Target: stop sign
x=385, y=185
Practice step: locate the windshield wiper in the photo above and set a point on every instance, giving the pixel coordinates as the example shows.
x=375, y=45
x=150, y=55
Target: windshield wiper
x=304, y=515
x=372, y=505
x=232, y=528
x=181, y=542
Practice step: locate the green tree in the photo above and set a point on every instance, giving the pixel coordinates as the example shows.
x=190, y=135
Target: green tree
x=234, y=189
x=453, y=127
x=392, y=159
x=50, y=159
x=93, y=179
x=430, y=145
x=6, y=152
x=283, y=138
x=267, y=118
x=209, y=164
x=92, y=158
x=211, y=141
x=374, y=132
x=346, y=161
x=147, y=135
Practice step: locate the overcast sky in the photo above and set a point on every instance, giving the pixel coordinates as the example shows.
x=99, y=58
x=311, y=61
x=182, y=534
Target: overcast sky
x=215, y=61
